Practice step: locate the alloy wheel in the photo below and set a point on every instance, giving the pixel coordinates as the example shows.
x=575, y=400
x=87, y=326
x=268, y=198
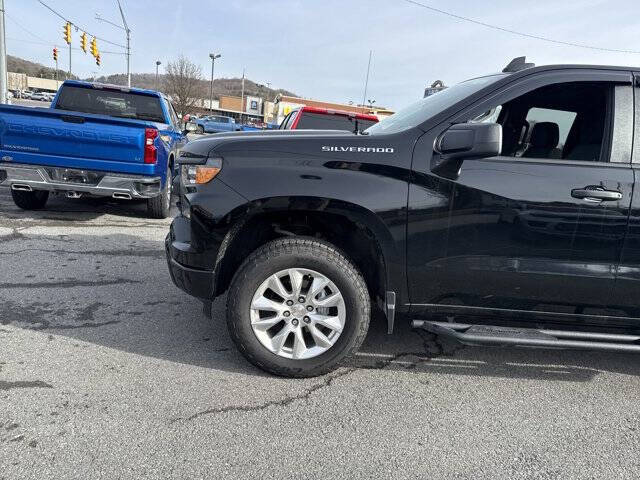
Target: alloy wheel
x=297, y=313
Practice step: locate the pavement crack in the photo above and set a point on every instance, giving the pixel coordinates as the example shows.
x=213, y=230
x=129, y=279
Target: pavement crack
x=432, y=348
x=71, y=219
x=82, y=325
x=4, y=385
x=69, y=283
x=88, y=312
x=114, y=253
x=327, y=381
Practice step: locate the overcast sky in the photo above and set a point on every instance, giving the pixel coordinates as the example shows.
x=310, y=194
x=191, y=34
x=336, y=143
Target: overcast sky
x=319, y=48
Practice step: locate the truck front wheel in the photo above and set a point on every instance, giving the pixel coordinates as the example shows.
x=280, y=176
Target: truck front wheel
x=297, y=307
x=33, y=200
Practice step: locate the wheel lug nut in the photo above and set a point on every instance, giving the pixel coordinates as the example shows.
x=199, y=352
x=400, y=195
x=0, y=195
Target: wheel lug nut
x=289, y=302
x=286, y=314
x=309, y=308
x=301, y=299
x=307, y=320
x=294, y=322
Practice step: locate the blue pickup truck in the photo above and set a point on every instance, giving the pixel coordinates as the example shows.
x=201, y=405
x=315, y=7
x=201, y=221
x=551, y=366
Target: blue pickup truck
x=95, y=140
x=215, y=124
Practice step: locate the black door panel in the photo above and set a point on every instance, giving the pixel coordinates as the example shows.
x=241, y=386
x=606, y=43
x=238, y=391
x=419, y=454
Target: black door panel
x=508, y=233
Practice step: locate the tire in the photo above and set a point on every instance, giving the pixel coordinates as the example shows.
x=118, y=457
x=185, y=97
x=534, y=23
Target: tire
x=160, y=206
x=34, y=200
x=200, y=129
x=309, y=255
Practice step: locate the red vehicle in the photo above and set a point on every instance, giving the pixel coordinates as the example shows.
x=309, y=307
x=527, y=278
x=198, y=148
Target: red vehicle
x=314, y=118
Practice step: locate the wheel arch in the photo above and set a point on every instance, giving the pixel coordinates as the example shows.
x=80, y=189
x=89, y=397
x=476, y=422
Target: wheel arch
x=358, y=232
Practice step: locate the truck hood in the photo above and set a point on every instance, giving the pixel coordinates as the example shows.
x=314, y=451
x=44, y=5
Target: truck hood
x=269, y=140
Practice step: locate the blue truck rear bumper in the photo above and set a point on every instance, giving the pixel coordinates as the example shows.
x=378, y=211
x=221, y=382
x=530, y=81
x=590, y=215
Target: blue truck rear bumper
x=96, y=183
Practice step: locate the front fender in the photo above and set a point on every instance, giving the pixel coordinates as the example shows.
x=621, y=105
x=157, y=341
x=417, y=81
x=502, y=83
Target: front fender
x=390, y=249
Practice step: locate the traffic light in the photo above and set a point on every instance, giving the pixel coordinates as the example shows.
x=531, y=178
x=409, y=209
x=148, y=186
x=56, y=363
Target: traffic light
x=55, y=54
x=98, y=59
x=94, y=47
x=83, y=42
x=67, y=33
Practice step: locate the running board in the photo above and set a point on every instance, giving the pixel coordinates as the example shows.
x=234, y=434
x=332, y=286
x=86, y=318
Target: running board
x=476, y=335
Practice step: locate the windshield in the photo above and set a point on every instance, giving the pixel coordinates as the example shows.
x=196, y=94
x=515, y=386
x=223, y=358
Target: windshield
x=422, y=110
x=114, y=103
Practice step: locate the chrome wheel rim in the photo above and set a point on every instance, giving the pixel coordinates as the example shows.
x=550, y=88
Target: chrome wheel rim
x=297, y=313
x=169, y=187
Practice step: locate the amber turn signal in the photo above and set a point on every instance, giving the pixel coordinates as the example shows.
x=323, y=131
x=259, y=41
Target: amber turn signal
x=201, y=174
x=205, y=174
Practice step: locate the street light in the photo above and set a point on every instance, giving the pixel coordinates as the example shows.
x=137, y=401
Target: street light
x=158, y=63
x=213, y=57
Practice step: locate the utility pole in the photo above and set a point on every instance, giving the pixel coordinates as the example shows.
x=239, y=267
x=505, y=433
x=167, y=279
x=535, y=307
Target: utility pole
x=128, y=33
x=213, y=57
x=242, y=97
x=69, y=76
x=3, y=58
x=126, y=29
x=158, y=63
x=366, y=82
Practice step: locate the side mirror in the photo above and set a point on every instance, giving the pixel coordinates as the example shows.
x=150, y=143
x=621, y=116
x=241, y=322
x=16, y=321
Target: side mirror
x=189, y=127
x=465, y=141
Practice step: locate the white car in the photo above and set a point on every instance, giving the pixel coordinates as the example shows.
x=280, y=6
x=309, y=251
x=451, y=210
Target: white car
x=41, y=96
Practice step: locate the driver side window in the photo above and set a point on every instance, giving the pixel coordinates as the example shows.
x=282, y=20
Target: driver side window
x=568, y=121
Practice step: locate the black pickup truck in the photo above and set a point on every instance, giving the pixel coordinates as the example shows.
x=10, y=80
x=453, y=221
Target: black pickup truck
x=500, y=211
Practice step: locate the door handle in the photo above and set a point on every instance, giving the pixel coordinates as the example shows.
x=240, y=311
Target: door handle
x=596, y=193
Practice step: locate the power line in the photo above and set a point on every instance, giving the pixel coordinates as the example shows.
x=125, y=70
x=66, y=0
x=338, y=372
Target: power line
x=44, y=41
x=78, y=26
x=23, y=28
x=514, y=32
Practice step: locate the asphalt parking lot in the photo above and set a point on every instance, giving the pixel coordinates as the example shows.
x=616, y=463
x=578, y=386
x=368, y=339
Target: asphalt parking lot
x=108, y=371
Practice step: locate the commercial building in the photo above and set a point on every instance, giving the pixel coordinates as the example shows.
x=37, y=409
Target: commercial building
x=20, y=81
x=257, y=109
x=231, y=106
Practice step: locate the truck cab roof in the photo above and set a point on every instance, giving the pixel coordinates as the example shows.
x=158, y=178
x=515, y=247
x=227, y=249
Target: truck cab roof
x=531, y=68
x=109, y=86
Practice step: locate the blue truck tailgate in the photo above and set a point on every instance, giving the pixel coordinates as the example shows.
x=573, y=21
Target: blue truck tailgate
x=75, y=140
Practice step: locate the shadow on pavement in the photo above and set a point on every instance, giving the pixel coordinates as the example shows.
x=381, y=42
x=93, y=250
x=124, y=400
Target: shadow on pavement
x=114, y=291
x=83, y=209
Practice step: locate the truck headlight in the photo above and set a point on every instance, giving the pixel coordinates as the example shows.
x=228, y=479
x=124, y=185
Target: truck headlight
x=201, y=174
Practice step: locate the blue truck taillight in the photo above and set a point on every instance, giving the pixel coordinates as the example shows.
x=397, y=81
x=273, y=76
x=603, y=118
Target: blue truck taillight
x=150, y=150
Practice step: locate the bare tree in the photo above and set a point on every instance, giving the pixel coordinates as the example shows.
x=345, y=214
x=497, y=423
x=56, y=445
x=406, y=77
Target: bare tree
x=183, y=84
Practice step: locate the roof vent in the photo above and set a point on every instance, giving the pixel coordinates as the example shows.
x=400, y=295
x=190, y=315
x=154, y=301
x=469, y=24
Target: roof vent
x=517, y=64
